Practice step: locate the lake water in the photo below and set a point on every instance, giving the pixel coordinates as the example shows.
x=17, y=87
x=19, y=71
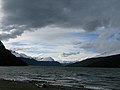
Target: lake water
x=95, y=78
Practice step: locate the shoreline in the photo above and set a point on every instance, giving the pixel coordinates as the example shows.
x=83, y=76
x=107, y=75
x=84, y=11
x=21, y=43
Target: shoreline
x=33, y=85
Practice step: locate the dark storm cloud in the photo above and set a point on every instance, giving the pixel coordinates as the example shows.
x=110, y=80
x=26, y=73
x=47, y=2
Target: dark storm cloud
x=33, y=13
x=87, y=14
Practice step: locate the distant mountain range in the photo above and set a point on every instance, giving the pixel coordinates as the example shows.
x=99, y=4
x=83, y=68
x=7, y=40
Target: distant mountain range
x=8, y=59
x=107, y=61
x=34, y=62
x=11, y=58
x=44, y=59
x=37, y=61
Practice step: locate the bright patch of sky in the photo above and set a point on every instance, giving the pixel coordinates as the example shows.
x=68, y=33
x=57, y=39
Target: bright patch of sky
x=46, y=42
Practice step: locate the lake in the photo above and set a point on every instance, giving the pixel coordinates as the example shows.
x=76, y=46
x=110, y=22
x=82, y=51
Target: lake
x=94, y=78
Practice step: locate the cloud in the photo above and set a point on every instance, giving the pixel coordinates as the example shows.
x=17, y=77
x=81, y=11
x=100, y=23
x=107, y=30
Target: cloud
x=77, y=56
x=107, y=42
x=69, y=54
x=11, y=31
x=33, y=14
x=54, y=27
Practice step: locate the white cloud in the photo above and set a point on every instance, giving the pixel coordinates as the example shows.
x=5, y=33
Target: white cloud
x=54, y=41
x=48, y=41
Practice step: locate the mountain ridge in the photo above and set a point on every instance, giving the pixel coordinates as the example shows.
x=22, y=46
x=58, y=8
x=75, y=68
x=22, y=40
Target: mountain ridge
x=8, y=59
x=108, y=61
x=47, y=61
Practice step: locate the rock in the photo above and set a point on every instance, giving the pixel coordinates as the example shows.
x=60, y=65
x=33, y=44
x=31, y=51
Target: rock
x=44, y=85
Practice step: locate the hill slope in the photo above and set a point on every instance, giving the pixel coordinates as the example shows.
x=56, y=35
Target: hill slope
x=8, y=59
x=108, y=61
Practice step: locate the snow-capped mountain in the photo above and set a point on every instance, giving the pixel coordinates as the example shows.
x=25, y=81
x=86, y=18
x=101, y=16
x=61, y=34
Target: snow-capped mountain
x=20, y=55
x=46, y=59
x=36, y=58
x=37, y=61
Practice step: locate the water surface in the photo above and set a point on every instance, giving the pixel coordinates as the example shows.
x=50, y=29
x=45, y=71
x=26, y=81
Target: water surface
x=95, y=78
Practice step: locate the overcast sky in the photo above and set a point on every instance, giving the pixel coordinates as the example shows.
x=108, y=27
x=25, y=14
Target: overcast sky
x=63, y=29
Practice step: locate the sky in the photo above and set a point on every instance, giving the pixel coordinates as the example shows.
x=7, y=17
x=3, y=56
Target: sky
x=67, y=30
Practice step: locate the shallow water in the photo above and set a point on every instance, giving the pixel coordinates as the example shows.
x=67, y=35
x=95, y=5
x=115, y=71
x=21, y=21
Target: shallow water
x=95, y=78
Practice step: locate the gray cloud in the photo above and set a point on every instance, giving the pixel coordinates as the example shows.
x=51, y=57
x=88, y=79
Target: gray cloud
x=88, y=14
x=12, y=32
x=69, y=54
x=33, y=13
x=108, y=42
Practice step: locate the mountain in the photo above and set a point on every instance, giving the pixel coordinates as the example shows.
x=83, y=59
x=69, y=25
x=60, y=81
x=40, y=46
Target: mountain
x=108, y=61
x=8, y=59
x=20, y=55
x=65, y=63
x=31, y=61
x=39, y=58
x=47, y=61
